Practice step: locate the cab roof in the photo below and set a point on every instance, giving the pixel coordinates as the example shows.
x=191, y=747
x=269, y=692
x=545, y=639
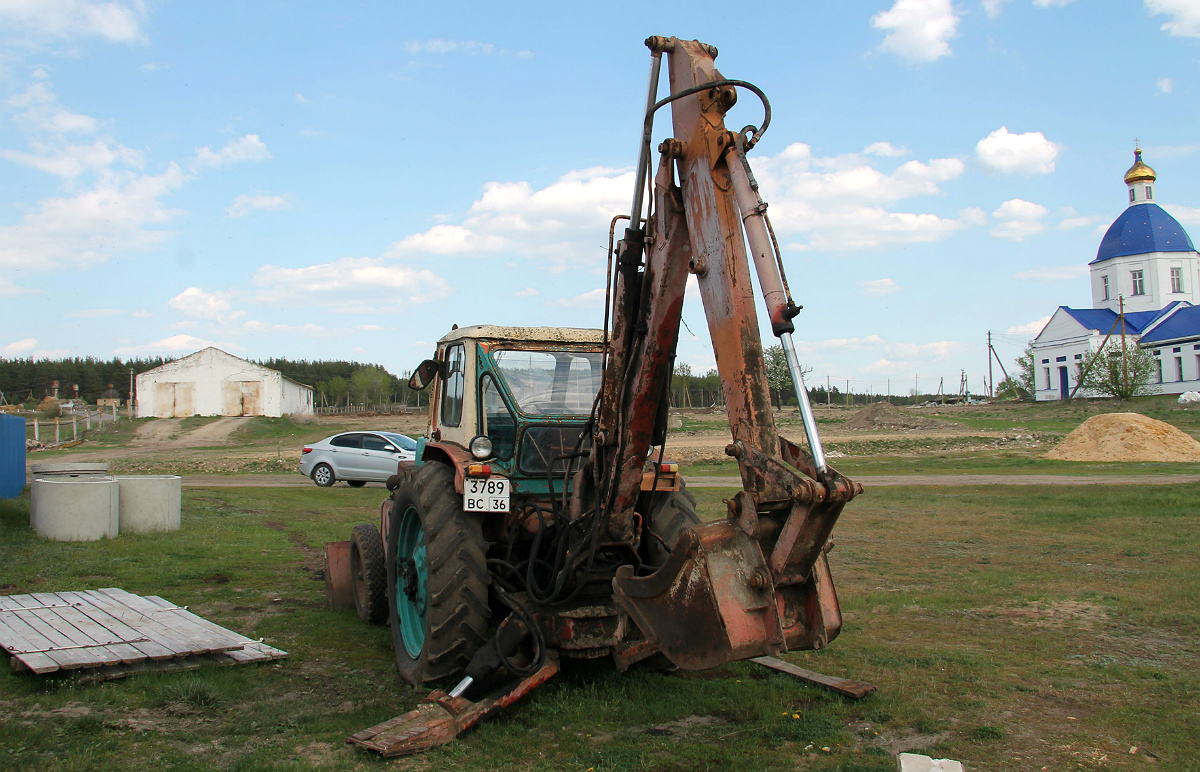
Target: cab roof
x=500, y=332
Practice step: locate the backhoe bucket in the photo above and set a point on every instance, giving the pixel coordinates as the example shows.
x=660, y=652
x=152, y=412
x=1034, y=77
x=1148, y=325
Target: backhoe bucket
x=711, y=602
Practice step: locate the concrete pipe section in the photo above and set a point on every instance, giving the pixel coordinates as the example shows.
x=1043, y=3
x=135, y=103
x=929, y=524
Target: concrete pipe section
x=150, y=502
x=69, y=470
x=75, y=508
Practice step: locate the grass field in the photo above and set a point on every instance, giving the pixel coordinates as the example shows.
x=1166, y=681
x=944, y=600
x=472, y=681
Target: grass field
x=1039, y=629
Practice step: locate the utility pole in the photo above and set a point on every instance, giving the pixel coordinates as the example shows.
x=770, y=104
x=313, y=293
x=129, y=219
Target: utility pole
x=1124, y=365
x=130, y=411
x=989, y=383
x=828, y=392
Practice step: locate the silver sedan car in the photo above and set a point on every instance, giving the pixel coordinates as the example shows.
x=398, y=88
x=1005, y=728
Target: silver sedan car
x=356, y=457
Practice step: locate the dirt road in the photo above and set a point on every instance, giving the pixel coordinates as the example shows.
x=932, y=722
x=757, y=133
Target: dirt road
x=868, y=481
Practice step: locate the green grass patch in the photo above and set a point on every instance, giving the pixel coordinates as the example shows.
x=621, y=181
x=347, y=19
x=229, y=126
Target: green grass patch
x=1008, y=628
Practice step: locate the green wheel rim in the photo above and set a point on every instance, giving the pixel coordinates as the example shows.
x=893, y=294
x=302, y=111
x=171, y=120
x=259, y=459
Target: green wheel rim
x=411, y=601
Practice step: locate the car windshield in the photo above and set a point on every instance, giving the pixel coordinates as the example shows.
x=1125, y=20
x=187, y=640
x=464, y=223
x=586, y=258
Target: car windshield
x=548, y=382
x=402, y=442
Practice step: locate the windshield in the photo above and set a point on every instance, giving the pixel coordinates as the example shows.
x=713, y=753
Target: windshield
x=551, y=382
x=403, y=442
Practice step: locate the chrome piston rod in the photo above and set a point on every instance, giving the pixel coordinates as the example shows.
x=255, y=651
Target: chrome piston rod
x=762, y=251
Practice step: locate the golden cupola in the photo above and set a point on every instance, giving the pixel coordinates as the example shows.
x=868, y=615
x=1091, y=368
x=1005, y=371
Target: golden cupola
x=1140, y=180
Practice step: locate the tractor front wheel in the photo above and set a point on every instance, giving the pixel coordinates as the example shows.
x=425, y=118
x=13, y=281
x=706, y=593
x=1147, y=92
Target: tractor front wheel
x=437, y=577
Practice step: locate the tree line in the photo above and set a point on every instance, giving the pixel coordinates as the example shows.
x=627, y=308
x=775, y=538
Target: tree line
x=88, y=378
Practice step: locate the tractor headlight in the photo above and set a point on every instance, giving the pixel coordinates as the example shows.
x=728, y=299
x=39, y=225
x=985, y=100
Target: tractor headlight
x=481, y=447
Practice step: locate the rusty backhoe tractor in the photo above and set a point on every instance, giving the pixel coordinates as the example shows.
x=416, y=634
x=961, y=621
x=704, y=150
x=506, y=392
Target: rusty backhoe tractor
x=541, y=520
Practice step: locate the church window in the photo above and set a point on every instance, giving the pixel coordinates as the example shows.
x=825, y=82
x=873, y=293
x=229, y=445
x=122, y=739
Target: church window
x=1131, y=194
x=1104, y=280
x=1149, y=193
x=1177, y=280
x=1139, y=283
x=1160, y=380
x=1046, y=370
x=1179, y=368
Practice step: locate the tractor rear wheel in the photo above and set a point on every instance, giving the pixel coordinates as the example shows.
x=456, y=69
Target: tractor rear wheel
x=368, y=572
x=437, y=577
x=669, y=516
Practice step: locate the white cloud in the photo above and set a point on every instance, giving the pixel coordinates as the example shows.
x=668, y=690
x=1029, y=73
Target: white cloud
x=154, y=67
x=1056, y=273
x=938, y=349
x=1185, y=214
x=245, y=204
x=992, y=8
x=118, y=21
x=1029, y=328
x=301, y=99
x=307, y=329
x=1028, y=153
x=1171, y=151
x=94, y=313
x=590, y=299
x=557, y=224
x=885, y=150
x=350, y=285
x=877, y=288
x=1185, y=16
x=18, y=348
x=369, y=327
x=1018, y=219
x=175, y=344
x=838, y=203
x=1165, y=85
x=442, y=46
x=196, y=303
x=1070, y=223
x=1052, y=3
x=88, y=228
x=918, y=30
x=10, y=290
x=142, y=314
x=51, y=130
x=528, y=292
x=247, y=148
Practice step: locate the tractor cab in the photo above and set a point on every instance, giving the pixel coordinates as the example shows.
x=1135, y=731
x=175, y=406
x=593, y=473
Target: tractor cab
x=516, y=399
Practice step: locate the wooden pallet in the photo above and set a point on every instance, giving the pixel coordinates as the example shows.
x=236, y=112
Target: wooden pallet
x=109, y=633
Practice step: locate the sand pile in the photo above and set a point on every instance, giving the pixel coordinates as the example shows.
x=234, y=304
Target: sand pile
x=885, y=415
x=1126, y=437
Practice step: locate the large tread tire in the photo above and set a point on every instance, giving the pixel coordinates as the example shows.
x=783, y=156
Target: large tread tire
x=455, y=600
x=669, y=516
x=368, y=572
x=356, y=483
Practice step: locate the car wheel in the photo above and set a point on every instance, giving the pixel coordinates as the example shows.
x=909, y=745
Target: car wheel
x=368, y=571
x=356, y=483
x=322, y=474
x=437, y=577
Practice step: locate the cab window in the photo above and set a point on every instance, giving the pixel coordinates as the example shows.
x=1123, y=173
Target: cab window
x=498, y=422
x=452, y=387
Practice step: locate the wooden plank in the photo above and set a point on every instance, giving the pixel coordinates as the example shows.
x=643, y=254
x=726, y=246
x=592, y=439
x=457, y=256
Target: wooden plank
x=205, y=640
x=52, y=643
x=198, y=620
x=16, y=636
x=116, y=628
x=169, y=639
x=121, y=647
x=60, y=616
x=843, y=686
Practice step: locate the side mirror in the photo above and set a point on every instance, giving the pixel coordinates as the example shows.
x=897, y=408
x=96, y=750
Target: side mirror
x=424, y=374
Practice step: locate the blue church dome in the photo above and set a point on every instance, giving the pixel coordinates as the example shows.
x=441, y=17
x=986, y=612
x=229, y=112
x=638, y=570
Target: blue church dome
x=1140, y=229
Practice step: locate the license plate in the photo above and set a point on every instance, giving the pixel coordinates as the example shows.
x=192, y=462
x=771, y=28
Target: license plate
x=485, y=495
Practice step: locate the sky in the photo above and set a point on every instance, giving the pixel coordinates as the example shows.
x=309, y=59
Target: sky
x=347, y=180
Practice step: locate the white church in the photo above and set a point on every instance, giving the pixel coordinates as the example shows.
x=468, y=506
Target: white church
x=1146, y=261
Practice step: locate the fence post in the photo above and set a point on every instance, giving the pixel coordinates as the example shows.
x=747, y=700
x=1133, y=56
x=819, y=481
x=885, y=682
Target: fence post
x=56, y=434
x=36, y=438
x=74, y=428
x=88, y=418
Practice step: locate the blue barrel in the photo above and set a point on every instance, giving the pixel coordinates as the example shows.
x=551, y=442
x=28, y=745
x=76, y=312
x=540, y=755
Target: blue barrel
x=12, y=456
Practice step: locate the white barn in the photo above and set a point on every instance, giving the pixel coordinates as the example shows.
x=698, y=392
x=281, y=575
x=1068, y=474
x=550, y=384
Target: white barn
x=212, y=382
x=1146, y=262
